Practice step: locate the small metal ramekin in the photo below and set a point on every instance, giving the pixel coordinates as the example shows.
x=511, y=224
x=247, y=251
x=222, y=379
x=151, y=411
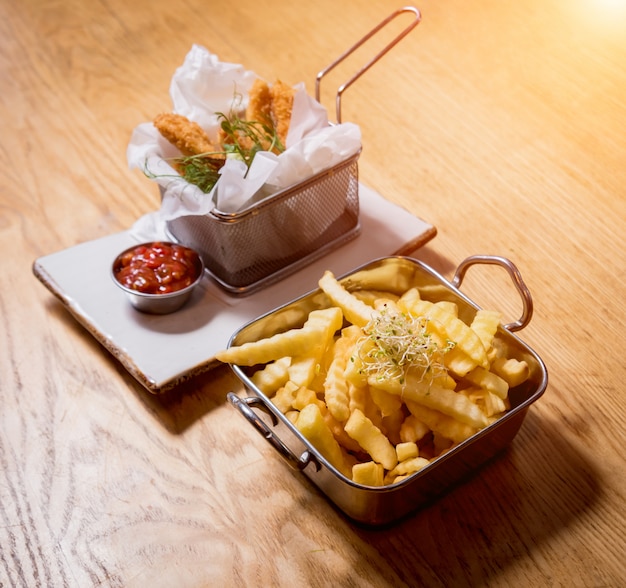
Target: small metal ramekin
x=159, y=303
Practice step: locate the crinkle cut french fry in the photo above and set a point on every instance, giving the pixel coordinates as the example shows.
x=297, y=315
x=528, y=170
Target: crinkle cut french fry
x=420, y=384
x=453, y=329
x=391, y=425
x=303, y=369
x=305, y=396
x=387, y=403
x=384, y=277
x=485, y=324
x=361, y=399
x=452, y=308
x=326, y=321
x=328, y=329
x=408, y=297
x=404, y=468
x=368, y=473
x=312, y=425
x=489, y=403
x=355, y=311
x=406, y=450
x=444, y=400
x=355, y=372
x=358, y=397
x=274, y=375
x=340, y=434
x=513, y=371
x=285, y=397
x=289, y=343
x=371, y=439
x=441, y=423
x=412, y=429
x=458, y=362
x=386, y=304
x=489, y=381
x=335, y=385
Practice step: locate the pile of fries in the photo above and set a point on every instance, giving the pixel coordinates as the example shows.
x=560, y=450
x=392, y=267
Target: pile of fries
x=381, y=384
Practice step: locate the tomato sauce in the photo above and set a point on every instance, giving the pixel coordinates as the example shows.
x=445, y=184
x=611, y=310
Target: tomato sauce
x=157, y=268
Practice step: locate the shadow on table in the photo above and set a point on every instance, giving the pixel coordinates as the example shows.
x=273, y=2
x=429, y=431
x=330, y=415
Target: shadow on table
x=180, y=407
x=513, y=505
x=510, y=508
x=436, y=261
x=176, y=409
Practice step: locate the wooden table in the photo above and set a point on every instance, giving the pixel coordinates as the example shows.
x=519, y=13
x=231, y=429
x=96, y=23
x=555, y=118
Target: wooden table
x=503, y=124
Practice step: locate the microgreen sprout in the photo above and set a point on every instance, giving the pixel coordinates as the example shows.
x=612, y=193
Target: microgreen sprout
x=397, y=342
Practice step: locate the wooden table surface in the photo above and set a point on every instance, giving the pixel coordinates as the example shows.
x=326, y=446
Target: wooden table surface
x=501, y=123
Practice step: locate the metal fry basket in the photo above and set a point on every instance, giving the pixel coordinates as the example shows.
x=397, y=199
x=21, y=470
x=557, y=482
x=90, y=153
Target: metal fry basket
x=259, y=245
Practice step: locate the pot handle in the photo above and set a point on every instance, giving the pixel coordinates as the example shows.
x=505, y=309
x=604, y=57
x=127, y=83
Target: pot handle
x=245, y=407
x=515, y=275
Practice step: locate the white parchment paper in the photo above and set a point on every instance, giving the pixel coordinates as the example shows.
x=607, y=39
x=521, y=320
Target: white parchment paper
x=202, y=87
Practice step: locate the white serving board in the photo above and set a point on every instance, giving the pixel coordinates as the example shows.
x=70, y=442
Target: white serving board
x=162, y=351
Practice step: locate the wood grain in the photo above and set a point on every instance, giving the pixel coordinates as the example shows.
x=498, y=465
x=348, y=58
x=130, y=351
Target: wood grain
x=503, y=124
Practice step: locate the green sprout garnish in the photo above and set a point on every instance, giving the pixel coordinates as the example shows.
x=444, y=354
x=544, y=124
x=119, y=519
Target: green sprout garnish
x=396, y=343
x=201, y=170
x=242, y=139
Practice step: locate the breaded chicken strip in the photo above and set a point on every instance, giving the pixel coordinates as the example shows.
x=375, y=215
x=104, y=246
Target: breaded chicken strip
x=259, y=123
x=186, y=135
x=282, y=104
x=260, y=103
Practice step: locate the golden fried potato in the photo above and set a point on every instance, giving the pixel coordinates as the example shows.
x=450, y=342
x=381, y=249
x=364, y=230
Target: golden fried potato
x=401, y=385
x=312, y=425
x=320, y=327
x=371, y=439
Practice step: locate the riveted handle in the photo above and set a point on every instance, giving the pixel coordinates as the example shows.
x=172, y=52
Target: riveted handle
x=516, y=277
x=245, y=406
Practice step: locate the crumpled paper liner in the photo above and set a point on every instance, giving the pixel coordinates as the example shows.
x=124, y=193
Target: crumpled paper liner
x=203, y=86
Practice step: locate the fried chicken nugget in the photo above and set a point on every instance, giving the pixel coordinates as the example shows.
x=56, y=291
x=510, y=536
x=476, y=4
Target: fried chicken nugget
x=282, y=105
x=188, y=136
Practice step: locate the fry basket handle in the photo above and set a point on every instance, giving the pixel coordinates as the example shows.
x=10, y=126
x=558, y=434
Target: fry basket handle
x=245, y=406
x=358, y=74
x=515, y=275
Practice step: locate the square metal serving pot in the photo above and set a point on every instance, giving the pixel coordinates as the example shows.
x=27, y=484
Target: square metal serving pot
x=383, y=505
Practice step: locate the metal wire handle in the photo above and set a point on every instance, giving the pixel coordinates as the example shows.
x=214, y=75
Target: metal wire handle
x=515, y=275
x=245, y=406
x=358, y=74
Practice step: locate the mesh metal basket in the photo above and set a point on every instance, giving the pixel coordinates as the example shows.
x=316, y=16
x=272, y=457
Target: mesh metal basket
x=252, y=248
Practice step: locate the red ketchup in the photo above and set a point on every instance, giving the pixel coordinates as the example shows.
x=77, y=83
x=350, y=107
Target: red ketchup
x=157, y=268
